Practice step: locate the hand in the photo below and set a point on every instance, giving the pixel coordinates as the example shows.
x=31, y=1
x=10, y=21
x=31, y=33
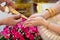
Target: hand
x=2, y=8
x=9, y=3
x=35, y=22
x=35, y=15
x=12, y=20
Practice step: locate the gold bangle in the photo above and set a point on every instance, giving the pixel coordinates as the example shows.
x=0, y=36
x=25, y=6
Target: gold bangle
x=52, y=11
x=49, y=10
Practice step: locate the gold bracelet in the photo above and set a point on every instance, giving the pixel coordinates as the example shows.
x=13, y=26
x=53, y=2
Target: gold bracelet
x=52, y=11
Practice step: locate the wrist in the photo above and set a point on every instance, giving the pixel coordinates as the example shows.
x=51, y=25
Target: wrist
x=45, y=15
x=1, y=23
x=43, y=22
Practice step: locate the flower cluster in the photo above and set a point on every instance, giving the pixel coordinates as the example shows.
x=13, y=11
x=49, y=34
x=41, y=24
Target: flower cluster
x=18, y=32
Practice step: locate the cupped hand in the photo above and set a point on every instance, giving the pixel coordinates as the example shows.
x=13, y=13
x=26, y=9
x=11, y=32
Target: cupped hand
x=12, y=20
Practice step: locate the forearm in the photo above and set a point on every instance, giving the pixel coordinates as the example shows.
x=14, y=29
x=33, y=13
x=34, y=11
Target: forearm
x=52, y=26
x=56, y=8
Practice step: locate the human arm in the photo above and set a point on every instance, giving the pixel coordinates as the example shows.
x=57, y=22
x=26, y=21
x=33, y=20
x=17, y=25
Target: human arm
x=46, y=13
x=42, y=22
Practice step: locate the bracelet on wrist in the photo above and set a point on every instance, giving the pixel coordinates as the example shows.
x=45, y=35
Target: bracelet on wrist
x=51, y=11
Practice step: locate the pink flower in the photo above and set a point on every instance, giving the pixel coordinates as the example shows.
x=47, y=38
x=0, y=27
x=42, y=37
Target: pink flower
x=23, y=19
x=31, y=37
x=20, y=26
x=37, y=34
x=13, y=38
x=33, y=29
x=6, y=33
x=27, y=34
x=26, y=30
x=17, y=35
x=6, y=30
x=13, y=31
x=7, y=36
x=15, y=27
x=21, y=38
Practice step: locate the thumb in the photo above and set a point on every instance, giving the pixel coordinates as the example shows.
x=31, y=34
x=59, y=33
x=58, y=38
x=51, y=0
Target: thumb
x=19, y=20
x=17, y=16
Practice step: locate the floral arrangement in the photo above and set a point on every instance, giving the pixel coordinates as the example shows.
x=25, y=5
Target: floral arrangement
x=18, y=32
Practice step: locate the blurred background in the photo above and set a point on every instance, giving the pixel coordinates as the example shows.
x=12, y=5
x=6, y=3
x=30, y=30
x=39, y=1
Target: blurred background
x=28, y=7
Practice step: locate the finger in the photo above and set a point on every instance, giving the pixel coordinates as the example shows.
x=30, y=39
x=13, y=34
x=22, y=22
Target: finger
x=12, y=24
x=2, y=8
x=29, y=24
x=29, y=19
x=19, y=20
x=25, y=23
x=35, y=15
x=17, y=16
x=32, y=17
x=12, y=5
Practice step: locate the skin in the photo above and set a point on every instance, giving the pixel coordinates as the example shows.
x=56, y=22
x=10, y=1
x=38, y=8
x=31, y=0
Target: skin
x=9, y=3
x=36, y=19
x=10, y=21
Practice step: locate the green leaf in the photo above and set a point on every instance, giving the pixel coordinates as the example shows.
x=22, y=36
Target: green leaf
x=10, y=38
x=37, y=37
x=2, y=38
